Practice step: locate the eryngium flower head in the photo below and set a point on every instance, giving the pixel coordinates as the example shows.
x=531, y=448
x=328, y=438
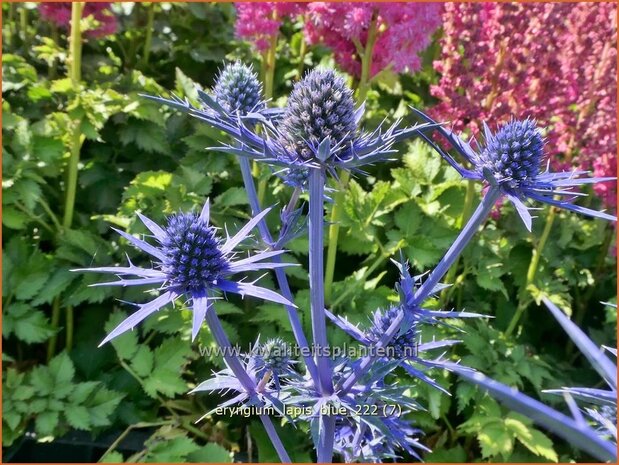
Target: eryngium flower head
x=273, y=355
x=319, y=129
x=321, y=106
x=514, y=154
x=191, y=262
x=193, y=258
x=406, y=345
x=359, y=442
x=510, y=163
x=238, y=90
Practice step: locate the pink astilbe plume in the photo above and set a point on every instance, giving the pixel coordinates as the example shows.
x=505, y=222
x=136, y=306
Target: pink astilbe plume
x=404, y=30
x=59, y=13
x=555, y=62
x=259, y=22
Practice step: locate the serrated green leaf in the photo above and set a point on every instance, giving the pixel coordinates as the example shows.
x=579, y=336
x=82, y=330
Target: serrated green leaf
x=232, y=197
x=34, y=327
x=210, y=453
x=142, y=362
x=13, y=218
x=112, y=457
x=42, y=380
x=540, y=444
x=82, y=391
x=101, y=406
x=45, y=423
x=165, y=381
x=174, y=450
x=59, y=281
x=494, y=439
x=78, y=417
x=61, y=366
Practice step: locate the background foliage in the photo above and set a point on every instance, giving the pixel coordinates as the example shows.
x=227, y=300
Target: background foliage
x=136, y=156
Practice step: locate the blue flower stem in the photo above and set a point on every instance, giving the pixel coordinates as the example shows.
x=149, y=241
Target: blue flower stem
x=324, y=451
x=280, y=274
x=237, y=368
x=467, y=233
x=316, y=276
x=275, y=440
x=466, y=212
x=324, y=448
x=465, y=236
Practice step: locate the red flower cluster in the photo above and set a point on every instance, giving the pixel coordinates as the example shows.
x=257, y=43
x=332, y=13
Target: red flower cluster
x=60, y=14
x=258, y=22
x=403, y=30
x=555, y=62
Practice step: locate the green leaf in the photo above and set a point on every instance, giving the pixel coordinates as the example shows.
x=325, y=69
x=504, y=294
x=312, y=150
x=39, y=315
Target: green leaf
x=173, y=450
x=165, y=381
x=62, y=368
x=78, y=417
x=423, y=162
x=59, y=281
x=42, y=380
x=45, y=423
x=142, y=362
x=148, y=136
x=232, y=197
x=494, y=439
x=101, y=406
x=82, y=391
x=210, y=453
x=112, y=457
x=13, y=218
x=28, y=324
x=443, y=455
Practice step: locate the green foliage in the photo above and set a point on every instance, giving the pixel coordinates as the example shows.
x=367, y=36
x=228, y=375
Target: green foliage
x=498, y=434
x=51, y=397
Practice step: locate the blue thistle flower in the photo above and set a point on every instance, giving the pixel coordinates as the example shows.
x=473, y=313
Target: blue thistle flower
x=272, y=360
x=356, y=441
x=321, y=107
x=273, y=355
x=511, y=161
x=236, y=99
x=404, y=347
x=513, y=155
x=369, y=417
x=237, y=89
x=318, y=129
x=254, y=392
x=191, y=262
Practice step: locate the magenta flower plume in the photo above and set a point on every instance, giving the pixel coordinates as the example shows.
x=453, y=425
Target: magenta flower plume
x=259, y=22
x=191, y=262
x=59, y=13
x=403, y=30
x=540, y=60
